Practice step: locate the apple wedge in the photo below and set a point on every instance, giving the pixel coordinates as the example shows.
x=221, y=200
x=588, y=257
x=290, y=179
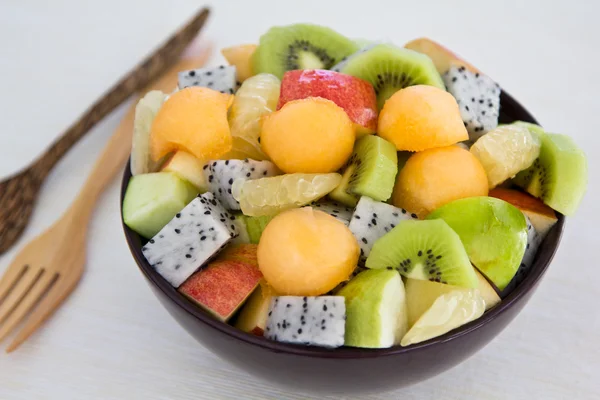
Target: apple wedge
x=542, y=217
x=224, y=285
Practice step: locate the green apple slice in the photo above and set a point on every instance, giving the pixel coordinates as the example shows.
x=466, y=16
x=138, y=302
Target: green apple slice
x=376, y=314
x=493, y=232
x=448, y=312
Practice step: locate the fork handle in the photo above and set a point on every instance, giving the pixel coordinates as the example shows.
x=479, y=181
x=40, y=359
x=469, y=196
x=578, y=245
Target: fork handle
x=133, y=82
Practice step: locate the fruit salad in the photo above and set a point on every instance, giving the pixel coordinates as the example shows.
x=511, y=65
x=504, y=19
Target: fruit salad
x=320, y=191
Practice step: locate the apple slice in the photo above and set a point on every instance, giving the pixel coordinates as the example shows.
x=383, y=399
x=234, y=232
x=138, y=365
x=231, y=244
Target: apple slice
x=241, y=57
x=356, y=96
x=376, y=315
x=224, y=285
x=254, y=314
x=421, y=294
x=442, y=58
x=542, y=217
x=187, y=167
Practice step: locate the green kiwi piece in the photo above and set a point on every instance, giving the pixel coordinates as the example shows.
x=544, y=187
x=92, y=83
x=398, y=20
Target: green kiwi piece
x=427, y=250
x=389, y=68
x=559, y=175
x=493, y=232
x=370, y=171
x=256, y=225
x=300, y=46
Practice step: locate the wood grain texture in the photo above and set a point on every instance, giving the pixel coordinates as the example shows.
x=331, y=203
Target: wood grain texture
x=126, y=345
x=18, y=193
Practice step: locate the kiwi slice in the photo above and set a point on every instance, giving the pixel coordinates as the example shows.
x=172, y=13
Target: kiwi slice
x=370, y=171
x=559, y=175
x=427, y=250
x=389, y=68
x=300, y=46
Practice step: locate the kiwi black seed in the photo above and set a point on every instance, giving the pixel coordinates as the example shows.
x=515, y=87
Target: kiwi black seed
x=370, y=171
x=389, y=68
x=300, y=46
x=559, y=175
x=428, y=250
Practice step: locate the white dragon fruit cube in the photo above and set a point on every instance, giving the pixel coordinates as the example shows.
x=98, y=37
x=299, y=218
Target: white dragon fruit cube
x=190, y=239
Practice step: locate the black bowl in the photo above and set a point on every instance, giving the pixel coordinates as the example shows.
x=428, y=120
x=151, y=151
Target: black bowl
x=349, y=370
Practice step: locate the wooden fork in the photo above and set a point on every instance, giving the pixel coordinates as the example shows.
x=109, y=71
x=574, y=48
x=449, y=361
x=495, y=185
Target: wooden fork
x=47, y=270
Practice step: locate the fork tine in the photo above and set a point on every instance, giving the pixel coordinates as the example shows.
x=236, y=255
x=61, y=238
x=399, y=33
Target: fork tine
x=61, y=289
x=23, y=285
x=31, y=298
x=11, y=275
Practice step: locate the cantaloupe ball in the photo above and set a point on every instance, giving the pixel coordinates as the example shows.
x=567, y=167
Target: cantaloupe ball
x=193, y=120
x=421, y=117
x=312, y=135
x=306, y=252
x=434, y=177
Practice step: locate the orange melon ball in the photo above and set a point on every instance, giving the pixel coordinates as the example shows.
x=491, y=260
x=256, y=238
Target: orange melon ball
x=306, y=252
x=193, y=120
x=434, y=177
x=311, y=135
x=421, y=117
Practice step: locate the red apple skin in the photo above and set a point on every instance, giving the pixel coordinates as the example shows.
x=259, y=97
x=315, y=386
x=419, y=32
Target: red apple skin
x=356, y=96
x=541, y=216
x=225, y=284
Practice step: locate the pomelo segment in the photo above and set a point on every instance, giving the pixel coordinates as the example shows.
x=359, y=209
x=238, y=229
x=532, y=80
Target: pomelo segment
x=269, y=196
x=145, y=111
x=421, y=117
x=256, y=98
x=421, y=294
x=432, y=178
x=305, y=252
x=194, y=120
x=152, y=200
x=448, y=312
x=505, y=151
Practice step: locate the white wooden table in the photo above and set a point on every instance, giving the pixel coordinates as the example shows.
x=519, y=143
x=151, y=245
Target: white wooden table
x=112, y=339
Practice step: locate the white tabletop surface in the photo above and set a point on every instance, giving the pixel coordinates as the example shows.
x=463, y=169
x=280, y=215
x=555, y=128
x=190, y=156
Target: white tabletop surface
x=113, y=340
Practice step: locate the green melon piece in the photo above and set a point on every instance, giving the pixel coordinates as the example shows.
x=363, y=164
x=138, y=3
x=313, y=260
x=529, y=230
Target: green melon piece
x=493, y=232
x=376, y=313
x=152, y=200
